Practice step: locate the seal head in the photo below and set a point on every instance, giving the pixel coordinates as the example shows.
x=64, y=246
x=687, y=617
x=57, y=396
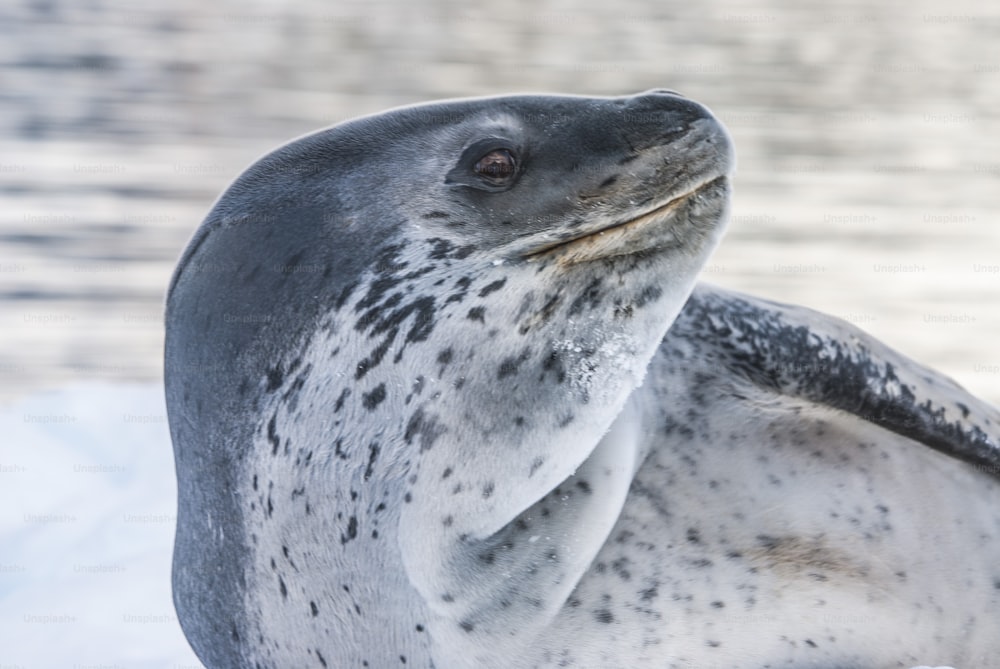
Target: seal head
x=388, y=346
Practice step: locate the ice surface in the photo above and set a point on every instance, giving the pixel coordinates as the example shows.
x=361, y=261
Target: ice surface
x=86, y=529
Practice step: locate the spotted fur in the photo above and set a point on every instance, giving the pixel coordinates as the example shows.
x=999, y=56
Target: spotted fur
x=425, y=419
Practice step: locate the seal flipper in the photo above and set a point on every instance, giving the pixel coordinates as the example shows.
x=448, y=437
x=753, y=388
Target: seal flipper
x=798, y=352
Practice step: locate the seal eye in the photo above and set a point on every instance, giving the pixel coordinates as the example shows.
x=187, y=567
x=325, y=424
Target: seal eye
x=492, y=164
x=497, y=165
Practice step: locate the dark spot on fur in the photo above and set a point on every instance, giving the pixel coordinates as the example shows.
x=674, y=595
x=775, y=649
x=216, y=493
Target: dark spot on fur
x=374, y=398
x=338, y=450
x=492, y=287
x=477, y=314
x=281, y=586
x=424, y=322
x=620, y=567
x=352, y=531
x=373, y=451
x=589, y=297
x=535, y=464
x=275, y=377
x=427, y=427
x=375, y=357
x=510, y=365
x=467, y=626
x=648, y=294
x=440, y=248
x=314, y=609
x=604, y=616
x=344, y=294
x=553, y=364
x=272, y=434
x=436, y=214
x=339, y=404
x=463, y=289
x=549, y=308
x=624, y=312
x=507, y=368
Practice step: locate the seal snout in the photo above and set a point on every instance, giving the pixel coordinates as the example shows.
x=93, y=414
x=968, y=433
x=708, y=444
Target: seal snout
x=667, y=185
x=661, y=117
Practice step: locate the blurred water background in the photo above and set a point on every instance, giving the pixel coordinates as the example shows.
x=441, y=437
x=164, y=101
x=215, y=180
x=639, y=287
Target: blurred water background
x=868, y=137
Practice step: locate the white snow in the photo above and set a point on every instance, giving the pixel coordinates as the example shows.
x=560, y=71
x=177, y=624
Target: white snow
x=86, y=531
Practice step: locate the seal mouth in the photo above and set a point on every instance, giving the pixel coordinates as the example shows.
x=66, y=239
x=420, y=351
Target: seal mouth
x=626, y=237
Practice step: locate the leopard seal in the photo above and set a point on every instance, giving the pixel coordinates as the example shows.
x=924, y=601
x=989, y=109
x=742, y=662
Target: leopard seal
x=444, y=392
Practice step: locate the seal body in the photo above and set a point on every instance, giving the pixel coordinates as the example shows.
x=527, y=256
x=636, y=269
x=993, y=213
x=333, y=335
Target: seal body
x=425, y=414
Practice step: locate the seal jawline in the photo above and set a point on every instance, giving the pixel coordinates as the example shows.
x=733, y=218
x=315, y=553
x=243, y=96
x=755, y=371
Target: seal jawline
x=606, y=241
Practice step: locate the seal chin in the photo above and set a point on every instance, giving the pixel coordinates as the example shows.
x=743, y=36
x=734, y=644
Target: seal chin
x=675, y=224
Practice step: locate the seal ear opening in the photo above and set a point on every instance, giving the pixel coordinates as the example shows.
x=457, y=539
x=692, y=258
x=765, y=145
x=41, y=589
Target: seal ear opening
x=465, y=172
